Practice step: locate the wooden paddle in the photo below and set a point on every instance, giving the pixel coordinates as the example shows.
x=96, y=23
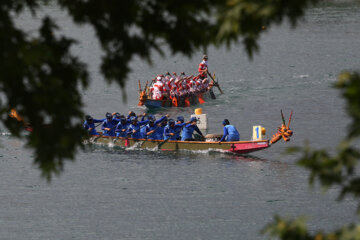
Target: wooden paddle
x=201, y=99
x=187, y=102
x=216, y=83
x=165, y=141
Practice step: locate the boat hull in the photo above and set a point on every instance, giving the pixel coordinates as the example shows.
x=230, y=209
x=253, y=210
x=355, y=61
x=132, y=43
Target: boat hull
x=239, y=147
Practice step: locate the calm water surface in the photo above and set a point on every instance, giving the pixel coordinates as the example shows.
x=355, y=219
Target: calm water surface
x=114, y=194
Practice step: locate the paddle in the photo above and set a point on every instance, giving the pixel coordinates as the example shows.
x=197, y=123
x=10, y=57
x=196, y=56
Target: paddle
x=216, y=83
x=201, y=99
x=199, y=137
x=174, y=101
x=187, y=102
x=165, y=141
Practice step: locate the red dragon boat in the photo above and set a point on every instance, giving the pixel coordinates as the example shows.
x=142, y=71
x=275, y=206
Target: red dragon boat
x=187, y=101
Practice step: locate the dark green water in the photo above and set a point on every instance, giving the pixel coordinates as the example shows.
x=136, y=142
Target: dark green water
x=113, y=194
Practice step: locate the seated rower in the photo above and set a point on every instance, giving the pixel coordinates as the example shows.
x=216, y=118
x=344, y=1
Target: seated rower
x=131, y=114
x=172, y=130
x=154, y=129
x=134, y=128
x=89, y=124
x=116, y=117
x=189, y=130
x=108, y=126
x=179, y=126
x=122, y=126
x=143, y=129
x=230, y=132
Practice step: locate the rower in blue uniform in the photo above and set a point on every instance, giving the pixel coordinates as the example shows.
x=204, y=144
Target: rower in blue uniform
x=180, y=123
x=117, y=117
x=188, y=130
x=134, y=128
x=172, y=130
x=89, y=124
x=131, y=114
x=122, y=126
x=230, y=132
x=161, y=128
x=108, y=126
x=155, y=129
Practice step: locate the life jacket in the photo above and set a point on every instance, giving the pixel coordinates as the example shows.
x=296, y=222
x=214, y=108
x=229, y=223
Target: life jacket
x=233, y=133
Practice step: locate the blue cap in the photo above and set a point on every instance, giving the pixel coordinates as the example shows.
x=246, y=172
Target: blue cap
x=108, y=115
x=193, y=119
x=117, y=115
x=180, y=118
x=171, y=121
x=133, y=119
x=225, y=122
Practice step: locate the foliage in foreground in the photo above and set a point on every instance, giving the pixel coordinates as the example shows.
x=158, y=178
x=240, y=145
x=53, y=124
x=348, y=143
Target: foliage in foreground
x=42, y=79
x=330, y=170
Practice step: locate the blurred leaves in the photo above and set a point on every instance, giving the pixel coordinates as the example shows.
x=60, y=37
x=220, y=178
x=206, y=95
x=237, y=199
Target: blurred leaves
x=331, y=169
x=295, y=229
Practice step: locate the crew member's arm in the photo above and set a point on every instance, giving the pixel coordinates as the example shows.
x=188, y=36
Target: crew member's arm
x=224, y=135
x=198, y=131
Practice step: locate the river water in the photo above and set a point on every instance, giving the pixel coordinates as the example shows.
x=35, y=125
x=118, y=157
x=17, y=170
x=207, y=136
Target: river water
x=114, y=194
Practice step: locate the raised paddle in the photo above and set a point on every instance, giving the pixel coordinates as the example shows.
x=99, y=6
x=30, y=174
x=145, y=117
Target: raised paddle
x=216, y=83
x=187, y=102
x=201, y=99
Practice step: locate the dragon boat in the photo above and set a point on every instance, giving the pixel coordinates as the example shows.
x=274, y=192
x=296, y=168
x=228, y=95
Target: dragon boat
x=211, y=142
x=186, y=101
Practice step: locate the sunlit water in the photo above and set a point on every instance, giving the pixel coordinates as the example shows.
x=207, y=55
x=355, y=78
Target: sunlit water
x=109, y=193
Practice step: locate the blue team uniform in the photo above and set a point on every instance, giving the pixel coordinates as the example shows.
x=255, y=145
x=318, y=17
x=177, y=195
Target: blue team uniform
x=121, y=128
x=159, y=130
x=109, y=124
x=188, y=131
x=230, y=134
x=91, y=126
x=136, y=127
x=176, y=130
